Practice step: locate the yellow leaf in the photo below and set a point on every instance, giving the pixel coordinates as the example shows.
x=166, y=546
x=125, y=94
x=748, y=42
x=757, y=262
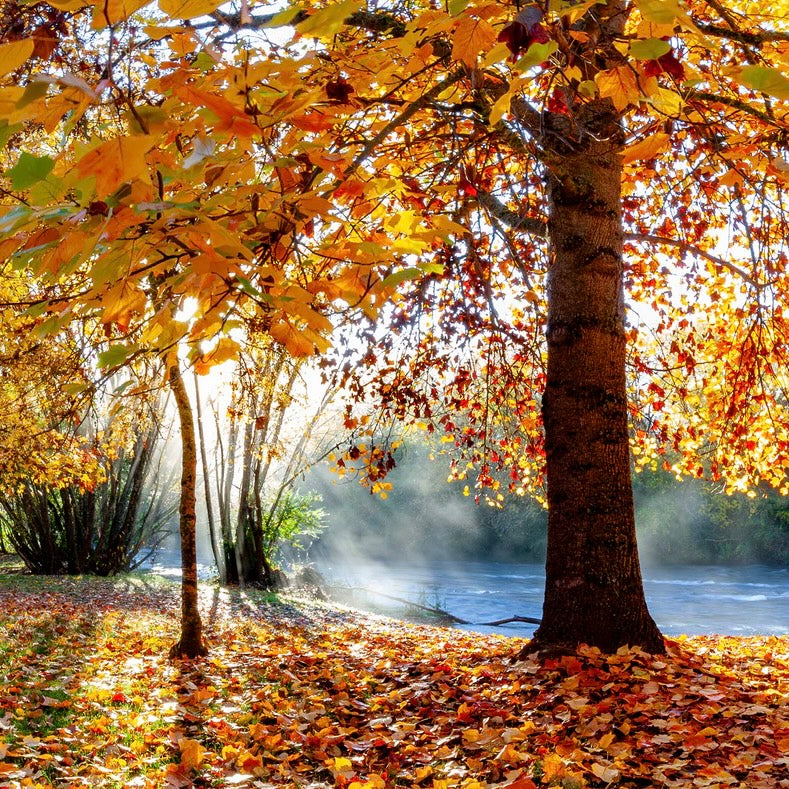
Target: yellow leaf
x=552, y=767
x=620, y=85
x=328, y=21
x=116, y=162
x=187, y=9
x=666, y=101
x=341, y=764
x=192, y=753
x=472, y=36
x=664, y=12
x=225, y=349
x=294, y=341
x=500, y=108
x=764, y=79
x=606, y=740
x=607, y=774
x=14, y=54
x=109, y=12
x=576, y=11
x=646, y=148
x=509, y=755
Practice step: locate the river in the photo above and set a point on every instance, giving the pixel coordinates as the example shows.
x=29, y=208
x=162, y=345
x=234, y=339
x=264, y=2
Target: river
x=751, y=600
x=737, y=601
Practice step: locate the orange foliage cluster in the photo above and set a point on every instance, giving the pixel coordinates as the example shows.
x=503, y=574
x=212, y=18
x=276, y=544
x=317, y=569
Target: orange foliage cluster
x=297, y=694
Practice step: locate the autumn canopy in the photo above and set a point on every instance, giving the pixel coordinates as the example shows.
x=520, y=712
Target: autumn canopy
x=558, y=229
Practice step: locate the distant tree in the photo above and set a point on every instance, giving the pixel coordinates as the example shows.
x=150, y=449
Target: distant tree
x=266, y=437
x=103, y=529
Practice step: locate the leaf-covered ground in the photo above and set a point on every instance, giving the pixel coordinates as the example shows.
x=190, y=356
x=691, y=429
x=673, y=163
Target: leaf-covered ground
x=299, y=694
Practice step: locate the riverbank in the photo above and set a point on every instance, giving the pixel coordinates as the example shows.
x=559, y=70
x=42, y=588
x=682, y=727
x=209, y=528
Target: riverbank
x=299, y=693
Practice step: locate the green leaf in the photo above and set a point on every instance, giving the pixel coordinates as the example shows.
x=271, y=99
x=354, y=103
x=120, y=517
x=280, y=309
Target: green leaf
x=51, y=325
x=764, y=79
x=661, y=12
x=588, y=88
x=6, y=131
x=432, y=268
x=649, y=48
x=75, y=389
x=284, y=17
x=250, y=289
x=537, y=53
x=404, y=275
x=119, y=390
x=328, y=21
x=33, y=92
x=115, y=355
x=456, y=6
x=29, y=170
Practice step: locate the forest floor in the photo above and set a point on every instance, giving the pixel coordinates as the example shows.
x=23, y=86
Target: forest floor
x=302, y=694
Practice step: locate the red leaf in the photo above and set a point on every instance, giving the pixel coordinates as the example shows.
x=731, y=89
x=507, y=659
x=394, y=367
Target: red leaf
x=665, y=64
x=557, y=102
x=466, y=188
x=339, y=90
x=525, y=31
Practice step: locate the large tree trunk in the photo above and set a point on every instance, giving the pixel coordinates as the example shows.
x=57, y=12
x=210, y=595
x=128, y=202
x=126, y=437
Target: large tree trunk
x=190, y=644
x=593, y=592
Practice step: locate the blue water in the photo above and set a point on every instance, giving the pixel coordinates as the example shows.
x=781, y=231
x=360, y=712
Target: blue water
x=752, y=600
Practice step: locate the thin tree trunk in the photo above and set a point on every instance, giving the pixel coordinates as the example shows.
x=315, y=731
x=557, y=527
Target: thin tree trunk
x=224, y=472
x=594, y=592
x=190, y=644
x=216, y=538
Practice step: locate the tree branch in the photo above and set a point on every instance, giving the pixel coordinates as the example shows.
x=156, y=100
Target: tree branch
x=372, y=21
x=684, y=246
x=512, y=219
x=404, y=116
x=733, y=33
x=731, y=101
x=526, y=115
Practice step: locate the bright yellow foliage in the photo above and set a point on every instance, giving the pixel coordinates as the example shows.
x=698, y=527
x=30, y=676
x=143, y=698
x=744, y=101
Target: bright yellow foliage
x=283, y=176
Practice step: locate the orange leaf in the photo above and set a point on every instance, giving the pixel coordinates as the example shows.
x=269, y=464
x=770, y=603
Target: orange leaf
x=472, y=36
x=231, y=118
x=116, y=162
x=293, y=340
x=110, y=12
x=192, y=754
x=14, y=54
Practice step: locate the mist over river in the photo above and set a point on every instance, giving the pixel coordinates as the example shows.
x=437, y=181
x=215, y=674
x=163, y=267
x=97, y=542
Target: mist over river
x=750, y=600
x=695, y=600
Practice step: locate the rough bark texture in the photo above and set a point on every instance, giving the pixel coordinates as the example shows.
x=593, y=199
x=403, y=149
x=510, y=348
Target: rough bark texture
x=594, y=592
x=190, y=644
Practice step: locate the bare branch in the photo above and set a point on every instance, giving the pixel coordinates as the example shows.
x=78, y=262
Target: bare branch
x=512, y=219
x=648, y=238
x=737, y=104
x=403, y=117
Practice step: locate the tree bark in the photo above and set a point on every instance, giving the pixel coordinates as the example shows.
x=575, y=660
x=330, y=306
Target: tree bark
x=593, y=591
x=190, y=644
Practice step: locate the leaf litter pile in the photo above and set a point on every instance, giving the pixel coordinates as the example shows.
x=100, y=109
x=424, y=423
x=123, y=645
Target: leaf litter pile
x=300, y=694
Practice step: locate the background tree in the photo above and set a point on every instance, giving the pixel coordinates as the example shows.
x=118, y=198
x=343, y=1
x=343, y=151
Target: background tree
x=267, y=434
x=111, y=527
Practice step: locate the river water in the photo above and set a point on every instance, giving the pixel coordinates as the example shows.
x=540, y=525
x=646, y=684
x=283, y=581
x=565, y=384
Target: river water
x=752, y=600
